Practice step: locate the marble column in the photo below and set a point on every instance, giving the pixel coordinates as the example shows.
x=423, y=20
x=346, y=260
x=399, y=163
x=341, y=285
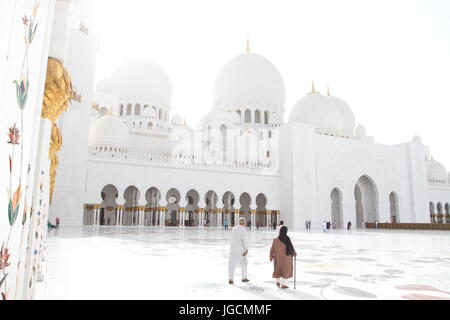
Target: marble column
x=182, y=212
x=200, y=216
x=236, y=217
x=219, y=217
x=253, y=218
x=267, y=218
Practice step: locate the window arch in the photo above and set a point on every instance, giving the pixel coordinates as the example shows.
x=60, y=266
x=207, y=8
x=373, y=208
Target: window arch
x=128, y=109
x=137, y=109
x=248, y=116
x=121, y=109
x=266, y=117
x=257, y=116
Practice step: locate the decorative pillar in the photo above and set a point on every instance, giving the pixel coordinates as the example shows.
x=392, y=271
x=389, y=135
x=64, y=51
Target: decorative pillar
x=268, y=219
x=219, y=218
x=182, y=215
x=162, y=216
x=253, y=218
x=97, y=215
x=236, y=217
x=201, y=212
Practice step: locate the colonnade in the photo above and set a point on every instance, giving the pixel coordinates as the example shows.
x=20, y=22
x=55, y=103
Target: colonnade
x=96, y=214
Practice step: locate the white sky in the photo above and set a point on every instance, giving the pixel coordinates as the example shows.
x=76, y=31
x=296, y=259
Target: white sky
x=389, y=60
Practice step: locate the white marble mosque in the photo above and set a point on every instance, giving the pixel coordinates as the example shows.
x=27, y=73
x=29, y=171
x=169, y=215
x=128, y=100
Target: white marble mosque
x=128, y=178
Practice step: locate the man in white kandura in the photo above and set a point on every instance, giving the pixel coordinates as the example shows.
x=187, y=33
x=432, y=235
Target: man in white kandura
x=238, y=251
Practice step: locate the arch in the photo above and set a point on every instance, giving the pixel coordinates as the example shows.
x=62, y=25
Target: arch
x=108, y=207
x=228, y=201
x=160, y=114
x=239, y=113
x=131, y=214
x=137, y=109
x=337, y=216
x=121, y=109
x=440, y=213
x=393, y=207
x=248, y=116
x=432, y=213
x=128, y=109
x=257, y=116
x=266, y=117
x=151, y=216
x=366, y=201
x=172, y=217
x=245, y=202
x=210, y=209
x=261, y=214
x=192, y=199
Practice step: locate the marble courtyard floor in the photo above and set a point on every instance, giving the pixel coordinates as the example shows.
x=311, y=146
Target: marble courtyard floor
x=172, y=263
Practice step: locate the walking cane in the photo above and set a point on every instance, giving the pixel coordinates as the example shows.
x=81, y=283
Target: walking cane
x=295, y=271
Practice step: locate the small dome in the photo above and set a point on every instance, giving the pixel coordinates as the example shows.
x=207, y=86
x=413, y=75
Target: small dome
x=142, y=79
x=417, y=139
x=108, y=131
x=436, y=172
x=360, y=131
x=317, y=110
x=348, y=118
x=149, y=112
x=329, y=114
x=177, y=120
x=249, y=80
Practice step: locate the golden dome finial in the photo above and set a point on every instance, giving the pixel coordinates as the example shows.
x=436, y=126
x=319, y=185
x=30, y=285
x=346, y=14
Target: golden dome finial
x=313, y=88
x=248, y=43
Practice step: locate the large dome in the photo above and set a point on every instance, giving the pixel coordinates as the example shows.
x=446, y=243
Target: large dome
x=249, y=80
x=142, y=79
x=436, y=172
x=329, y=114
x=108, y=131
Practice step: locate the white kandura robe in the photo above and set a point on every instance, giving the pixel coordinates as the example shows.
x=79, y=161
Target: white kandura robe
x=239, y=243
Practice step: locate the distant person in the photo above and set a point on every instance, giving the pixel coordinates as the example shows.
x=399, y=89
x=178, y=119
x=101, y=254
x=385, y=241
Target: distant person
x=279, y=227
x=58, y=221
x=334, y=224
x=306, y=224
x=274, y=225
x=349, y=225
x=238, y=251
x=226, y=224
x=257, y=225
x=281, y=253
x=324, y=226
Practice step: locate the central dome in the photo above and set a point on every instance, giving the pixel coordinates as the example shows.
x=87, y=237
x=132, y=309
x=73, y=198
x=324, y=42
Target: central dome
x=250, y=80
x=142, y=79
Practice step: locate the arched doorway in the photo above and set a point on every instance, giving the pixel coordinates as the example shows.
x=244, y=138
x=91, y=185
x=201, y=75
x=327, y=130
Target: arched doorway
x=336, y=208
x=108, y=207
x=228, y=208
x=432, y=213
x=261, y=214
x=172, y=217
x=245, y=201
x=393, y=207
x=440, y=213
x=210, y=219
x=366, y=201
x=152, y=196
x=131, y=214
x=191, y=217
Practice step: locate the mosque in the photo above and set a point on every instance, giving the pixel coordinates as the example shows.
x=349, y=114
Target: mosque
x=117, y=156
x=146, y=167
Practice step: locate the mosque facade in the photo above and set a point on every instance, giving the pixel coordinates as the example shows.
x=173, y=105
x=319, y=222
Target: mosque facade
x=146, y=167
